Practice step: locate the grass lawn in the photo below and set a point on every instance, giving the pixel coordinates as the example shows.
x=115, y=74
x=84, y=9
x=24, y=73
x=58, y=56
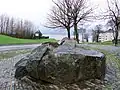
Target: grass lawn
x=103, y=43
x=9, y=54
x=10, y=40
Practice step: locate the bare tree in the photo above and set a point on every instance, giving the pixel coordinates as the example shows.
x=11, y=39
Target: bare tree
x=12, y=26
x=18, y=28
x=86, y=37
x=110, y=26
x=2, y=23
x=93, y=35
x=81, y=31
x=60, y=16
x=23, y=29
x=7, y=24
x=80, y=12
x=28, y=28
x=97, y=30
x=114, y=16
x=68, y=13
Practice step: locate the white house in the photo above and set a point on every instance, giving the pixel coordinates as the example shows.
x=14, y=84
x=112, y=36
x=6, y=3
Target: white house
x=107, y=36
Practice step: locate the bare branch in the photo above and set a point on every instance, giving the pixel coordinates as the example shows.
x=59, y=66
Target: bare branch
x=114, y=16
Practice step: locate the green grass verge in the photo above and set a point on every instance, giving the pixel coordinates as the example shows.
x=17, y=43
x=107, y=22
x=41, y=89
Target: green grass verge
x=102, y=43
x=109, y=56
x=10, y=40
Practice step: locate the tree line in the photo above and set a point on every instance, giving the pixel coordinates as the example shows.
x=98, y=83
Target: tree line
x=16, y=27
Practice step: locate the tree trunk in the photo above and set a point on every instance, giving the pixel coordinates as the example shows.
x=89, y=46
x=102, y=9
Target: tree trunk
x=97, y=38
x=87, y=40
x=68, y=31
x=116, y=38
x=7, y=25
x=76, y=32
x=1, y=29
x=82, y=37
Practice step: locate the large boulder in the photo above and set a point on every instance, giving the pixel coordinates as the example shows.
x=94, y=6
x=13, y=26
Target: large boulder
x=35, y=56
x=67, y=40
x=64, y=64
x=53, y=44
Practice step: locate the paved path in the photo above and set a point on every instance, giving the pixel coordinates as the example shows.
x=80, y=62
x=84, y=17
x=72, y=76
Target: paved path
x=18, y=47
x=7, y=71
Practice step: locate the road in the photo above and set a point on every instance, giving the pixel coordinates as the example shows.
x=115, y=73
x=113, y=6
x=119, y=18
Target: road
x=17, y=47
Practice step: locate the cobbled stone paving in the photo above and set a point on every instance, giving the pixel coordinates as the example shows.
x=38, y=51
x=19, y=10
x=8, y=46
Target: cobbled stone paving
x=16, y=86
x=7, y=80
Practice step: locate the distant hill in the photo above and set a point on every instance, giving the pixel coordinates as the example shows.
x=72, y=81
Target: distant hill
x=55, y=31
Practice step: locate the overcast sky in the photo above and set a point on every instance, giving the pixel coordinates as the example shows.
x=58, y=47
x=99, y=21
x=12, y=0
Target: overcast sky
x=34, y=10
